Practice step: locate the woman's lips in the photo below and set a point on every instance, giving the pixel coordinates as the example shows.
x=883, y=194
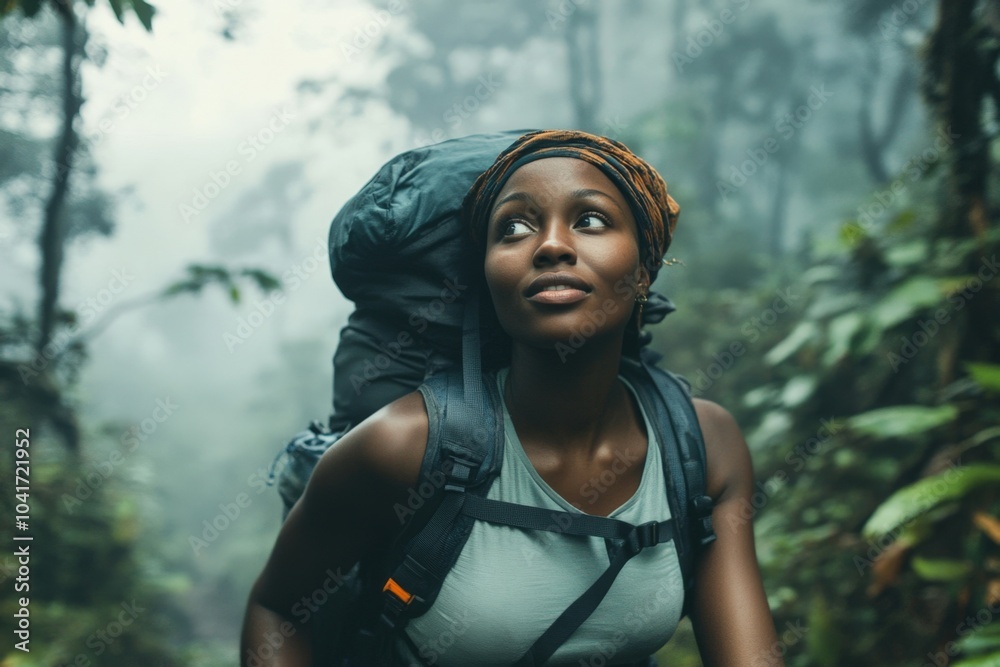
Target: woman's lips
x=571, y=295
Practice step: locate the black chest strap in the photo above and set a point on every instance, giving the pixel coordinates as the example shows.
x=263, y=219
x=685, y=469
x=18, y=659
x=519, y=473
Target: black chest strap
x=627, y=540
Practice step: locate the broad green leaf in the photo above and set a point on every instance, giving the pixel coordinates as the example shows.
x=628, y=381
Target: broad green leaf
x=986, y=376
x=907, y=254
x=906, y=299
x=829, y=305
x=917, y=498
x=795, y=340
x=842, y=332
x=982, y=437
x=182, y=287
x=986, y=640
x=798, y=390
x=774, y=425
x=759, y=396
x=940, y=569
x=201, y=275
x=144, y=11
x=264, y=280
x=208, y=272
x=783, y=595
x=902, y=420
x=116, y=5
x=175, y=583
x=820, y=274
x=991, y=660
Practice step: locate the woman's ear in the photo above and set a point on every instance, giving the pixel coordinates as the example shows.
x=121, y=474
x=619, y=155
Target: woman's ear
x=642, y=282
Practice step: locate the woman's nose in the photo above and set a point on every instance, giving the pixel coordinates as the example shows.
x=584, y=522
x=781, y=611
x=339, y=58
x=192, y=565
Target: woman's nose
x=555, y=244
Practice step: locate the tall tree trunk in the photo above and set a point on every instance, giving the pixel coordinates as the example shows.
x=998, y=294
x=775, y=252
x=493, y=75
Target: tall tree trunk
x=959, y=73
x=53, y=232
x=960, y=76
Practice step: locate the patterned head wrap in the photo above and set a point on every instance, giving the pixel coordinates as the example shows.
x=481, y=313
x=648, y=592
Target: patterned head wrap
x=654, y=210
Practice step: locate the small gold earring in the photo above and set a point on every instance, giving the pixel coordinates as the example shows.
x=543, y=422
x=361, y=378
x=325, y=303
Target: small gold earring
x=672, y=261
x=641, y=299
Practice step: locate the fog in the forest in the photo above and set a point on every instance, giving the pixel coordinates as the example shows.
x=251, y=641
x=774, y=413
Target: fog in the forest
x=230, y=134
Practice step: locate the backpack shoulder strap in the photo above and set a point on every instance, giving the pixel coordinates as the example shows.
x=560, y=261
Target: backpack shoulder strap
x=463, y=457
x=667, y=399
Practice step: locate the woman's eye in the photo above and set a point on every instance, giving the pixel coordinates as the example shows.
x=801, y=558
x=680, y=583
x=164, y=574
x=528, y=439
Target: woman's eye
x=593, y=218
x=513, y=224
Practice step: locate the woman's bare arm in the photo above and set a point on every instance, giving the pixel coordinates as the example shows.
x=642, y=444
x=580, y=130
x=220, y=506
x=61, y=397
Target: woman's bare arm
x=730, y=614
x=345, y=512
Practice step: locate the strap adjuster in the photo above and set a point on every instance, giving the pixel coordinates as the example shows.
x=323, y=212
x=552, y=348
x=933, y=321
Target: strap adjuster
x=702, y=506
x=459, y=473
x=642, y=536
x=397, y=599
x=397, y=591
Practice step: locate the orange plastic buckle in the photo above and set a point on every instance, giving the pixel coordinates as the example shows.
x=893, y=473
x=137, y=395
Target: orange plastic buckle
x=397, y=590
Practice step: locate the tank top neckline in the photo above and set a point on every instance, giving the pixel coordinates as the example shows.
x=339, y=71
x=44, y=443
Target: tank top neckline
x=650, y=462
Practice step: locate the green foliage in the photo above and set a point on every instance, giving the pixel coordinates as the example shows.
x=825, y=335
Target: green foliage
x=142, y=9
x=902, y=421
x=940, y=569
x=926, y=494
x=986, y=376
x=907, y=298
x=201, y=275
x=870, y=408
x=90, y=592
x=869, y=396
x=982, y=648
x=32, y=90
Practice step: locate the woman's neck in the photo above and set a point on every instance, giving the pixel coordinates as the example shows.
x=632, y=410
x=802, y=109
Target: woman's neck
x=567, y=397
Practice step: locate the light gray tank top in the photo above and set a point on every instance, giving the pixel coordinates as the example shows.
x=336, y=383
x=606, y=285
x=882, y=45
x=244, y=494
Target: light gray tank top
x=509, y=584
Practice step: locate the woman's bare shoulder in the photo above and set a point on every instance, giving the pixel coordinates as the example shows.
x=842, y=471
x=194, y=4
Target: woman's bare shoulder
x=346, y=510
x=727, y=456
x=375, y=461
x=396, y=438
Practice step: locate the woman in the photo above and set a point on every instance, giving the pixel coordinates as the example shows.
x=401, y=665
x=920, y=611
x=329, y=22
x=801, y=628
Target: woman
x=572, y=229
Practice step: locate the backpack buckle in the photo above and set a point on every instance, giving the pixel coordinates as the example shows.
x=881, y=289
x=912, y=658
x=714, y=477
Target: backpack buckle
x=702, y=506
x=459, y=473
x=405, y=587
x=642, y=536
x=397, y=599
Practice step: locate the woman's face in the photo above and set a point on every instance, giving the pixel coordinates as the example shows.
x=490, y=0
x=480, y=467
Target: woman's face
x=562, y=215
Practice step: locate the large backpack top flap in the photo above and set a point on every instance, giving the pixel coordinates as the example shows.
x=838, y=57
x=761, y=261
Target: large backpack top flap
x=399, y=241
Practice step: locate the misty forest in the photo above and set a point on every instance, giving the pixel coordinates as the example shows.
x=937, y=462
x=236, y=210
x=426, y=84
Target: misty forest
x=168, y=175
